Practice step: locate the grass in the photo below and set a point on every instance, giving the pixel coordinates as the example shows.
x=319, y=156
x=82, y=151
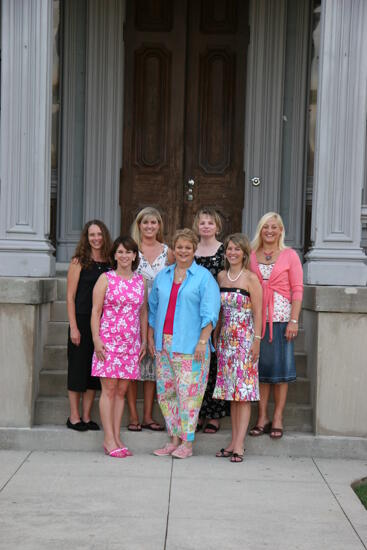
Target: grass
x=360, y=488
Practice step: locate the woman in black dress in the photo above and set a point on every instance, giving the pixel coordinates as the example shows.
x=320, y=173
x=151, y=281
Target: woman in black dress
x=91, y=258
x=210, y=254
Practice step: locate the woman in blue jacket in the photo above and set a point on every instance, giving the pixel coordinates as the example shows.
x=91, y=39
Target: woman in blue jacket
x=183, y=310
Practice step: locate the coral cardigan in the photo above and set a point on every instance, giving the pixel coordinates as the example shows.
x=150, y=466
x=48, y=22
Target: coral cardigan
x=286, y=279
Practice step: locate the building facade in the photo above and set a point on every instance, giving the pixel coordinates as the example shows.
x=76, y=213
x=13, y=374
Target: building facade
x=110, y=105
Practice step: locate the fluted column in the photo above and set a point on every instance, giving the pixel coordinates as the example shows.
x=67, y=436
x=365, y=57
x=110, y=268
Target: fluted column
x=264, y=109
x=336, y=257
x=26, y=69
x=104, y=110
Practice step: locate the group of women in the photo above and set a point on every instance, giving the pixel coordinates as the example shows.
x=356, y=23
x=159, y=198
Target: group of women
x=208, y=326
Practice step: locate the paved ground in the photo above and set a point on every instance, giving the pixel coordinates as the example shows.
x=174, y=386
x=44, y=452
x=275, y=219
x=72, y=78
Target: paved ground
x=84, y=500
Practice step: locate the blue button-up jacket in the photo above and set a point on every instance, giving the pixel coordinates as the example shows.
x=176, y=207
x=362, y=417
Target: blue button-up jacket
x=198, y=304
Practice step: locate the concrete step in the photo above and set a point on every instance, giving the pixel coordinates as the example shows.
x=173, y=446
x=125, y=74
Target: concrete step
x=57, y=438
x=55, y=358
x=61, y=288
x=59, y=311
x=59, y=315
x=55, y=410
x=53, y=384
x=57, y=333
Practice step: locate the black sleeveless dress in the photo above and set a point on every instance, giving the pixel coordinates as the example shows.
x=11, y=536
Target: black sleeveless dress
x=213, y=408
x=80, y=357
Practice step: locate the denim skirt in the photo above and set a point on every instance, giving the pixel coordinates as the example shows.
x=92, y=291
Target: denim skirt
x=276, y=361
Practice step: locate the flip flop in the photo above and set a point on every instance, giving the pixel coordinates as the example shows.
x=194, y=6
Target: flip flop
x=256, y=431
x=236, y=458
x=132, y=427
x=276, y=433
x=151, y=425
x=211, y=427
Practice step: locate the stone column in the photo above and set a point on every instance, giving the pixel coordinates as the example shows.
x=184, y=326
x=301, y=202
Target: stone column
x=264, y=110
x=336, y=257
x=104, y=110
x=26, y=69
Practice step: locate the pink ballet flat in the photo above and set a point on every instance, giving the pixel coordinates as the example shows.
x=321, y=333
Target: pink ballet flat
x=167, y=450
x=115, y=453
x=182, y=452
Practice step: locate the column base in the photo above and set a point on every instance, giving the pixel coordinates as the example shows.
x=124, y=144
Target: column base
x=336, y=268
x=27, y=259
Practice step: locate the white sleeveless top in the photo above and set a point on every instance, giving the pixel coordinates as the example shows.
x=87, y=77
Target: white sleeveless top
x=149, y=271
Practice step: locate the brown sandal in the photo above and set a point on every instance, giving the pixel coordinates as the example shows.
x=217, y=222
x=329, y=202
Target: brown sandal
x=276, y=433
x=256, y=431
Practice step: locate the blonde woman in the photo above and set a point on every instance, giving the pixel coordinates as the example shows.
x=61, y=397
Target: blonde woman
x=183, y=309
x=279, y=271
x=154, y=255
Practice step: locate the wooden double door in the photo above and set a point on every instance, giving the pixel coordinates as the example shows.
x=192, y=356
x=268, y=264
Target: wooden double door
x=185, y=66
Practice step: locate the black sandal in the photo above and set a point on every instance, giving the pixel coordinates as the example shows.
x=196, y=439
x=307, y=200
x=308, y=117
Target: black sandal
x=223, y=453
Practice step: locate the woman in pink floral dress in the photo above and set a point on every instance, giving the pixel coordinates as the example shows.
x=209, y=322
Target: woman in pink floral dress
x=238, y=341
x=119, y=336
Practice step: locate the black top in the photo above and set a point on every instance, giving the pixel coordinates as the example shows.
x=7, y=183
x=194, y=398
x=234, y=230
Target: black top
x=213, y=263
x=234, y=289
x=84, y=292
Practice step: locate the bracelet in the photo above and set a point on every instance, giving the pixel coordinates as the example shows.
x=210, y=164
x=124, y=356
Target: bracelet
x=257, y=337
x=143, y=344
x=293, y=321
x=202, y=342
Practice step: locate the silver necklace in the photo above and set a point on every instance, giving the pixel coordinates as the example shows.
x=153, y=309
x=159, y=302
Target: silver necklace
x=236, y=278
x=180, y=278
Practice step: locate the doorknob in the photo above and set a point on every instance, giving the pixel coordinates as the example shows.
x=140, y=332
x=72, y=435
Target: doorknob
x=189, y=190
x=255, y=181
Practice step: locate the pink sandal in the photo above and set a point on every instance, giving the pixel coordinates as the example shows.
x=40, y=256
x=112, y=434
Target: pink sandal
x=115, y=453
x=126, y=451
x=182, y=452
x=167, y=450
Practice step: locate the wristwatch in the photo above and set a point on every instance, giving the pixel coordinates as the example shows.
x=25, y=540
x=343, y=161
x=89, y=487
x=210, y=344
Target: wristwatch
x=293, y=321
x=202, y=342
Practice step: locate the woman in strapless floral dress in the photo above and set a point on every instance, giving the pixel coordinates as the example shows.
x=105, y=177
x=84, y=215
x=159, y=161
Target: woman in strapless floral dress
x=237, y=338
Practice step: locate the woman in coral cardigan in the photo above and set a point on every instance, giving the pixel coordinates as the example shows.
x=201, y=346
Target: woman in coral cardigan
x=280, y=273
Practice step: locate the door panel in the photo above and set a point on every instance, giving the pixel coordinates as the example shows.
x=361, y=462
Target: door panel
x=155, y=39
x=184, y=109
x=214, y=133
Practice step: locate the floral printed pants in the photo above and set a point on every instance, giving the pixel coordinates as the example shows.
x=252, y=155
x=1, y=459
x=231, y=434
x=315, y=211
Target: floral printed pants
x=181, y=383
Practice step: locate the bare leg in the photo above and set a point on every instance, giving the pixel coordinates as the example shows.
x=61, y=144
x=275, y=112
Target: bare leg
x=280, y=399
x=87, y=403
x=263, y=417
x=229, y=447
x=122, y=388
x=132, y=394
x=149, y=393
x=74, y=399
x=243, y=413
x=106, y=409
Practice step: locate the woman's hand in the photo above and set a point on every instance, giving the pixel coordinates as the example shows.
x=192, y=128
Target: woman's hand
x=100, y=350
x=291, y=331
x=143, y=351
x=75, y=336
x=199, y=353
x=151, y=346
x=255, y=350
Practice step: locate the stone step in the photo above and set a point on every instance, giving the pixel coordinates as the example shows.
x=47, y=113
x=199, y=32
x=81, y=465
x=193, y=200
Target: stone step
x=59, y=315
x=55, y=410
x=59, y=311
x=52, y=383
x=55, y=358
x=59, y=438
